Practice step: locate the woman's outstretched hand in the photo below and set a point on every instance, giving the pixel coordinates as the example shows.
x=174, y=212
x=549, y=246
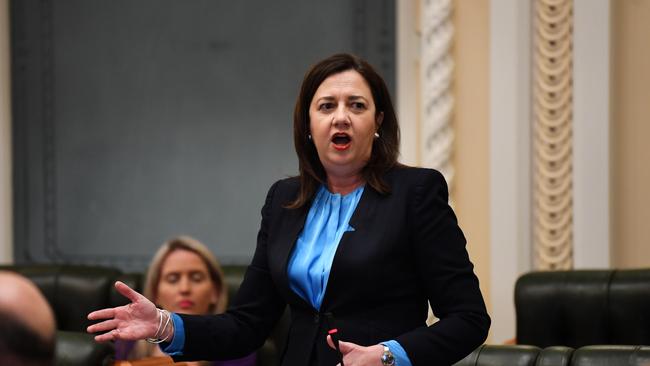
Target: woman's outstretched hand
x=137, y=320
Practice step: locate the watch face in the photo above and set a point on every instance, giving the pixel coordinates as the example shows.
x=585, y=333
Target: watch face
x=387, y=359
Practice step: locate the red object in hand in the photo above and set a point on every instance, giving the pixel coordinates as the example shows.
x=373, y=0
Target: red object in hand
x=332, y=332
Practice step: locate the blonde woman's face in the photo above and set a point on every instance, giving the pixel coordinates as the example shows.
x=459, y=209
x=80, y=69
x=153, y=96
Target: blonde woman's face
x=185, y=284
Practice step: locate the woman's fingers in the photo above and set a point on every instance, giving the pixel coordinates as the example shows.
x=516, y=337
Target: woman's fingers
x=330, y=342
x=109, y=325
x=103, y=326
x=354, y=354
x=126, y=291
x=345, y=347
x=110, y=336
x=102, y=314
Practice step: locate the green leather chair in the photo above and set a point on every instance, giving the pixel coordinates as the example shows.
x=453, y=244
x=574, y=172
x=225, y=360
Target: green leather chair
x=501, y=355
x=522, y=355
x=73, y=291
x=77, y=348
x=583, y=307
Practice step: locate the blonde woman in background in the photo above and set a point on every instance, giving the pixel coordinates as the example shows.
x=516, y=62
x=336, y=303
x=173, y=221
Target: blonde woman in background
x=183, y=277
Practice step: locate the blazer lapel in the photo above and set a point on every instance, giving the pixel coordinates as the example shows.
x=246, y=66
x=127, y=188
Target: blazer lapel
x=365, y=208
x=359, y=220
x=293, y=223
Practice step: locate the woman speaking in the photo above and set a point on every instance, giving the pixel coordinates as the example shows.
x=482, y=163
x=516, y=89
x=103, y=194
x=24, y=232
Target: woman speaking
x=357, y=246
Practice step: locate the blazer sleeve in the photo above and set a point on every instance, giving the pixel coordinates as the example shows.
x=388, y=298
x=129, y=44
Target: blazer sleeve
x=447, y=275
x=252, y=316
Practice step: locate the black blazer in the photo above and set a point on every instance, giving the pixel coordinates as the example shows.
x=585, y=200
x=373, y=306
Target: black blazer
x=406, y=249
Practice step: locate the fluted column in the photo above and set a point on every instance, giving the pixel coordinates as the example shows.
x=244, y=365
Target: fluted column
x=436, y=75
x=552, y=141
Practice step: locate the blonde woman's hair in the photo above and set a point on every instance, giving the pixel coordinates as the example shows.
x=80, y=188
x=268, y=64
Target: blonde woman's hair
x=150, y=291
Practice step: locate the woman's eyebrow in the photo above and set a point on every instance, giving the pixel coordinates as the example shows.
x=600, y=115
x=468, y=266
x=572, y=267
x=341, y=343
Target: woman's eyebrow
x=356, y=97
x=326, y=98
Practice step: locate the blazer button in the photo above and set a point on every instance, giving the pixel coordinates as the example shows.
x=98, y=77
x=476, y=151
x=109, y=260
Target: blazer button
x=316, y=318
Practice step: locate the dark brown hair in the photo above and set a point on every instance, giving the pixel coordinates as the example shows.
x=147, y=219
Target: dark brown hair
x=22, y=345
x=385, y=149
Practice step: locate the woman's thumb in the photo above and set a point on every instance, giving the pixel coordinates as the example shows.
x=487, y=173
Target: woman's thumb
x=344, y=347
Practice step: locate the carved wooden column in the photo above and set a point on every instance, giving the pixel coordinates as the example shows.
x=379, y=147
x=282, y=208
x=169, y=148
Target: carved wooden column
x=552, y=141
x=436, y=74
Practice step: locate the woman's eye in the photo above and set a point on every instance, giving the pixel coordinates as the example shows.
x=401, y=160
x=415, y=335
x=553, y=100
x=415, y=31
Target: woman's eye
x=325, y=106
x=172, y=278
x=358, y=106
x=197, y=277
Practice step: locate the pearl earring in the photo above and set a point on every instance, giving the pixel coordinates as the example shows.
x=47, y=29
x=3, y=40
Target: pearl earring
x=309, y=136
x=376, y=135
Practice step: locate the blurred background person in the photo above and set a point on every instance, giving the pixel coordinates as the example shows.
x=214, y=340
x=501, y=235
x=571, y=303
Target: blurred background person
x=183, y=277
x=27, y=325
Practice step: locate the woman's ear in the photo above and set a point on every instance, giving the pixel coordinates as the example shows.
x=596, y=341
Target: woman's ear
x=379, y=119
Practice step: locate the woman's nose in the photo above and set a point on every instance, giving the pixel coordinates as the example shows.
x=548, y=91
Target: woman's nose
x=184, y=285
x=341, y=118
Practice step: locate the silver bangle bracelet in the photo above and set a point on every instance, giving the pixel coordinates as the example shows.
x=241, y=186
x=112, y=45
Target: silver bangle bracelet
x=159, y=332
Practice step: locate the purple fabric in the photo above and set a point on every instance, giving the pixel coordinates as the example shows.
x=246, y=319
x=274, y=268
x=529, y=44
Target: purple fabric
x=123, y=348
x=245, y=361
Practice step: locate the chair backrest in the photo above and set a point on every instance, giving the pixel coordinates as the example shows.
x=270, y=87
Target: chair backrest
x=73, y=291
x=523, y=355
x=554, y=356
x=501, y=355
x=583, y=307
x=611, y=356
x=80, y=349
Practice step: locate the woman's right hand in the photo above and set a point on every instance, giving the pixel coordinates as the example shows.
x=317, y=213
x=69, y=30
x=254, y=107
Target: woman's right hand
x=138, y=320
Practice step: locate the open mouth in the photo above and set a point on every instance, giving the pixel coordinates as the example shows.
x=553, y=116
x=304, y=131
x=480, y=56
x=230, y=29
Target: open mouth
x=341, y=141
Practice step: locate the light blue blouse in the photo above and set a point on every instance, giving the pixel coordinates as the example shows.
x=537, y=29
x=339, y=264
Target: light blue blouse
x=311, y=261
x=312, y=257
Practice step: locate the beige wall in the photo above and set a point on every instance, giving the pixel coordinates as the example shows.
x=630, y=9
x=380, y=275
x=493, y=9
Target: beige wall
x=408, y=86
x=630, y=133
x=6, y=253
x=471, y=189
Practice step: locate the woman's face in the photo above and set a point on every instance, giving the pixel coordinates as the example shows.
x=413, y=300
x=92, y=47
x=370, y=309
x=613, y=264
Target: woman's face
x=185, y=284
x=343, y=121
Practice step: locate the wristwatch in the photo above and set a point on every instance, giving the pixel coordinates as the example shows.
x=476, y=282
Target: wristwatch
x=387, y=358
